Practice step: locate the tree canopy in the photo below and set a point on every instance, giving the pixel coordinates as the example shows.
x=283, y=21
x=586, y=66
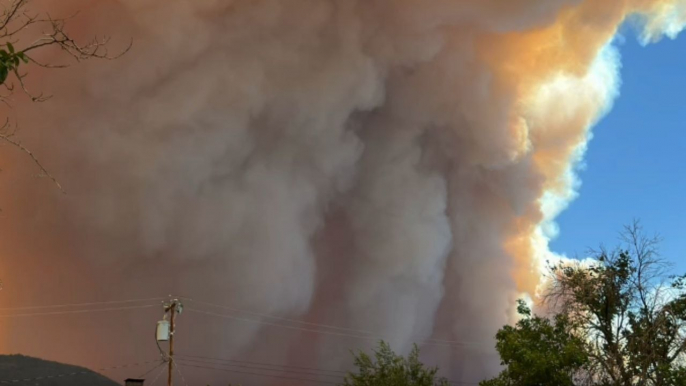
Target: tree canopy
x=618, y=320
x=385, y=368
x=539, y=351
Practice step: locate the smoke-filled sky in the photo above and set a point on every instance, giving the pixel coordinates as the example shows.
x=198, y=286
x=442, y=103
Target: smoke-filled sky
x=391, y=166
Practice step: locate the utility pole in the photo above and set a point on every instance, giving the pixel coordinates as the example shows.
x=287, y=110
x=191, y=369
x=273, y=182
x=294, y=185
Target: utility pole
x=173, y=308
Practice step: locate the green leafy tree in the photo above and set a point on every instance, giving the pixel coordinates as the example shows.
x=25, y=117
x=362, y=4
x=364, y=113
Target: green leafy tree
x=621, y=318
x=385, y=368
x=538, y=351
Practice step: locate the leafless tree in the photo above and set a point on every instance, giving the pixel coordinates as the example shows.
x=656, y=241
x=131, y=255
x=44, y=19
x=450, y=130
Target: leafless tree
x=24, y=32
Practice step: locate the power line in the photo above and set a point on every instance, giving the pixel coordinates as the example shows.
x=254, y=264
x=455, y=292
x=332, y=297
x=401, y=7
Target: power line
x=81, y=304
x=359, y=332
x=211, y=360
x=157, y=377
x=278, y=368
x=160, y=364
x=282, y=370
x=255, y=365
x=278, y=317
x=434, y=342
x=259, y=374
x=277, y=325
x=178, y=370
x=78, y=311
x=263, y=364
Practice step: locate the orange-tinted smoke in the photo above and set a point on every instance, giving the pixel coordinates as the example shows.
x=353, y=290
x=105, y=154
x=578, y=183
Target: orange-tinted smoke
x=388, y=165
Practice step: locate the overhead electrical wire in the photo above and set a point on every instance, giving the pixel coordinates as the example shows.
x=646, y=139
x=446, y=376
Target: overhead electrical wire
x=433, y=342
x=261, y=363
x=178, y=370
x=238, y=318
x=161, y=363
x=278, y=317
x=77, y=311
x=259, y=374
x=320, y=328
x=81, y=304
x=453, y=344
x=157, y=377
x=256, y=366
x=359, y=333
x=260, y=368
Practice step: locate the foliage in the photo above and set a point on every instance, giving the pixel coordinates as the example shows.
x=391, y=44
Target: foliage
x=10, y=60
x=386, y=368
x=538, y=351
x=625, y=312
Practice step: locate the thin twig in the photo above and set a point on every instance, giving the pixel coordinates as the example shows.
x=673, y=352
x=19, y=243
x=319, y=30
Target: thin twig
x=21, y=147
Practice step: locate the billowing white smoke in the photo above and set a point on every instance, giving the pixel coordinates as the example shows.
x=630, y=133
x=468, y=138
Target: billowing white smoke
x=386, y=165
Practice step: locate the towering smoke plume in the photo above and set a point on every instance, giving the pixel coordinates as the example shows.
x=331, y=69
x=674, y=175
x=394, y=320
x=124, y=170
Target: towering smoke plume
x=392, y=166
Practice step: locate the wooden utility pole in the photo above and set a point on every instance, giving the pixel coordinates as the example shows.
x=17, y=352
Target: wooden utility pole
x=173, y=308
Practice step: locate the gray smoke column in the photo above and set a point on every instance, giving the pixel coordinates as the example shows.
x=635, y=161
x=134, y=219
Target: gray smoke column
x=391, y=166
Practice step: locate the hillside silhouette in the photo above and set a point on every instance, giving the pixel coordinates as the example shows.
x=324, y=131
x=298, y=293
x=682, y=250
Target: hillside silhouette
x=21, y=367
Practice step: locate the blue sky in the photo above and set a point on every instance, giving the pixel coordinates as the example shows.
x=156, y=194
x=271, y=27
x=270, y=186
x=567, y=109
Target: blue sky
x=636, y=162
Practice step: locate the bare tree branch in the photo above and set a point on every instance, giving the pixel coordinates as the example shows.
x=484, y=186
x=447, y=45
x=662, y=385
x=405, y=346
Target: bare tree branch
x=21, y=147
x=31, y=32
